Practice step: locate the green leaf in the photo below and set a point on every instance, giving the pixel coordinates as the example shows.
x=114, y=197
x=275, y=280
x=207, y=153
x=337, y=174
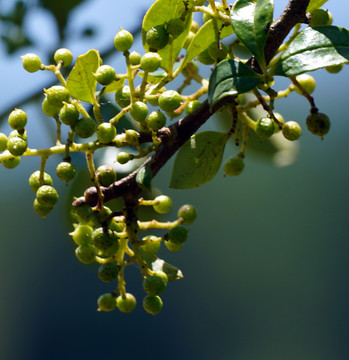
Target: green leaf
x=315, y=4
x=114, y=86
x=156, y=264
x=251, y=20
x=159, y=14
x=81, y=83
x=198, y=160
x=315, y=48
x=144, y=177
x=231, y=77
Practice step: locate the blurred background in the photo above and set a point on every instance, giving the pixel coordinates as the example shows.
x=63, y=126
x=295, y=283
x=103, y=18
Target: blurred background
x=266, y=263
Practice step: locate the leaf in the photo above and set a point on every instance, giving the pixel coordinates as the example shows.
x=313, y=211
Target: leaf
x=144, y=177
x=231, y=77
x=81, y=83
x=156, y=264
x=159, y=14
x=251, y=20
x=114, y=86
x=315, y=48
x=198, y=161
x=315, y=4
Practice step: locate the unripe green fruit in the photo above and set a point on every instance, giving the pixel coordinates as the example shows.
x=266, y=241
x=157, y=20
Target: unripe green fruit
x=21, y=134
x=150, y=61
x=47, y=195
x=153, y=244
x=123, y=96
x=154, y=285
x=11, y=162
x=205, y=58
x=82, y=234
x=192, y=106
x=139, y=111
x=318, y=124
x=163, y=276
x=85, y=127
x=106, y=175
x=108, y=272
x=188, y=213
x=31, y=62
x=63, y=55
x=106, y=133
x=105, y=75
x=291, y=130
x=66, y=171
x=265, y=127
x=106, y=302
x=175, y=27
x=157, y=37
x=56, y=94
x=126, y=304
x=178, y=234
x=194, y=27
x=123, y=157
x=234, y=166
x=307, y=82
x=152, y=304
x=188, y=40
x=16, y=145
x=103, y=239
x=131, y=137
x=170, y=100
x=85, y=254
x=320, y=17
x=40, y=209
x=34, y=180
x=49, y=109
x=123, y=40
x=156, y=120
x=173, y=247
x=3, y=142
x=162, y=204
x=334, y=69
x=17, y=119
x=217, y=53
x=280, y=119
x=69, y=114
x=135, y=58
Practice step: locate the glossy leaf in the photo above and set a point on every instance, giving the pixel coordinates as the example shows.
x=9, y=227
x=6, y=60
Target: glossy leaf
x=198, y=161
x=315, y=48
x=159, y=14
x=114, y=86
x=251, y=20
x=231, y=77
x=144, y=177
x=315, y=4
x=81, y=83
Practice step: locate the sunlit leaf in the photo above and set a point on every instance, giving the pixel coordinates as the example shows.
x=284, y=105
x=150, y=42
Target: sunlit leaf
x=315, y=4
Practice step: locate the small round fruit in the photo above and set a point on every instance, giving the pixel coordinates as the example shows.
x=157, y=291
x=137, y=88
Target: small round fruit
x=34, y=180
x=320, y=17
x=3, y=142
x=152, y=304
x=69, y=114
x=194, y=26
x=66, y=171
x=50, y=109
x=170, y=100
x=108, y=272
x=11, y=161
x=103, y=239
x=105, y=75
x=318, y=124
x=188, y=213
x=307, y=82
x=17, y=119
x=85, y=254
x=82, y=234
x=157, y=37
x=178, y=234
x=150, y=61
x=234, y=166
x=106, y=302
x=16, y=145
x=217, y=53
x=106, y=133
x=135, y=58
x=123, y=157
x=188, y=40
x=265, y=128
x=334, y=69
x=162, y=204
x=156, y=120
x=139, y=111
x=56, y=94
x=192, y=106
x=64, y=56
x=152, y=245
x=173, y=247
x=47, y=195
x=123, y=40
x=175, y=27
x=85, y=127
x=131, y=137
x=291, y=130
x=123, y=96
x=106, y=175
x=126, y=304
x=31, y=62
x=20, y=134
x=205, y=58
x=154, y=285
x=40, y=209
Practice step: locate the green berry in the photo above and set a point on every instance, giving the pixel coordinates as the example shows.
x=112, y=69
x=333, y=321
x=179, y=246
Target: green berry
x=106, y=302
x=11, y=161
x=154, y=285
x=205, y=58
x=40, y=209
x=192, y=106
x=194, y=26
x=265, y=127
x=56, y=94
x=47, y=195
x=139, y=111
x=156, y=120
x=50, y=109
x=85, y=254
x=334, y=69
x=307, y=82
x=162, y=204
x=64, y=56
x=108, y=272
x=126, y=304
x=17, y=119
x=175, y=27
x=105, y=75
x=170, y=100
x=152, y=304
x=163, y=276
x=123, y=157
x=31, y=62
x=123, y=40
x=65, y=171
x=150, y=61
x=178, y=235
x=152, y=244
x=3, y=142
x=82, y=234
x=20, y=134
x=173, y=247
x=320, y=17
x=35, y=183
x=103, y=239
x=234, y=166
x=85, y=127
x=123, y=96
x=131, y=137
x=69, y=114
x=106, y=175
x=291, y=130
x=106, y=133
x=188, y=40
x=217, y=53
x=188, y=213
x=157, y=37
x=135, y=58
x=16, y=145
x=318, y=124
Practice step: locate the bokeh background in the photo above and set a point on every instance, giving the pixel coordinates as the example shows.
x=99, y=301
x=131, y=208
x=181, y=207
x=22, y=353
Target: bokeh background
x=266, y=264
